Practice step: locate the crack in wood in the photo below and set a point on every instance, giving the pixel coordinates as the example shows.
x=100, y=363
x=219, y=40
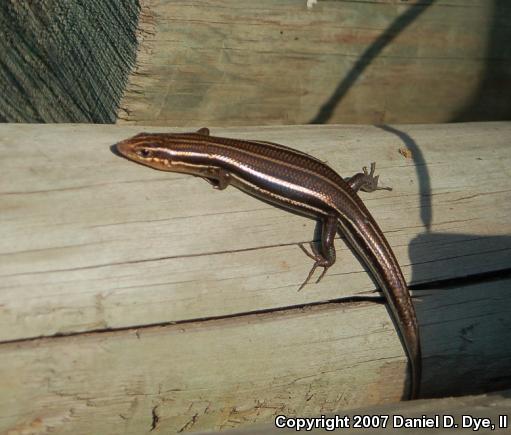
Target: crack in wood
x=155, y=418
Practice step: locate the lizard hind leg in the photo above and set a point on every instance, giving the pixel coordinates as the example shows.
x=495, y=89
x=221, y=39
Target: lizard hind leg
x=325, y=256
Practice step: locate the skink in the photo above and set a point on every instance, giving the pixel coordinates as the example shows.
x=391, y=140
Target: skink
x=301, y=183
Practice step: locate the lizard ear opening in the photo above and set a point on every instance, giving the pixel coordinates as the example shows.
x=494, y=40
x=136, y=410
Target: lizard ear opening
x=204, y=131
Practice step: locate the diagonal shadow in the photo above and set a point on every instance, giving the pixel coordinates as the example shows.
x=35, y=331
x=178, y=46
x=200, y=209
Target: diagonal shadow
x=399, y=24
x=422, y=173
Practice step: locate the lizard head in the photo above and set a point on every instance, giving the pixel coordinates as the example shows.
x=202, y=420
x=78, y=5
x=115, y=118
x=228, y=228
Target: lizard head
x=163, y=151
x=144, y=148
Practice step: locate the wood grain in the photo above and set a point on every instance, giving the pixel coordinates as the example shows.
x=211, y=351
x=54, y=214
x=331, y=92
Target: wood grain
x=65, y=61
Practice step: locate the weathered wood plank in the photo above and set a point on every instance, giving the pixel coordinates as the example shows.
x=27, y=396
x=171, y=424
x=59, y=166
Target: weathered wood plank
x=91, y=241
x=223, y=62
x=277, y=62
x=466, y=412
x=225, y=373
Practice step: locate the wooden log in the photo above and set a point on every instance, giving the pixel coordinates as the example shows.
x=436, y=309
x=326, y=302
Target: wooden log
x=180, y=303
x=247, y=369
x=236, y=62
x=269, y=62
x=91, y=241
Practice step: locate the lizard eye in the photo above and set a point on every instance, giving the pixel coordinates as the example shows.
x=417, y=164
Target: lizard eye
x=144, y=152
